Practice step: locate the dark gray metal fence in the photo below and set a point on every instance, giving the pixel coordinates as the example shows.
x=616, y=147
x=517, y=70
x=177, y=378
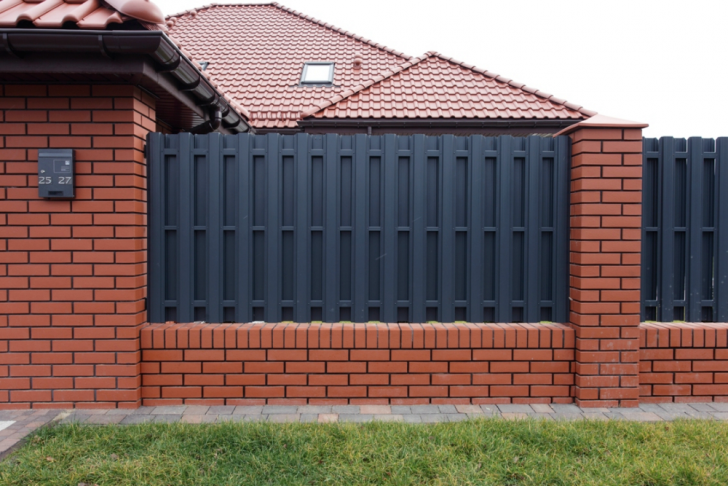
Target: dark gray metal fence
x=358, y=228
x=685, y=230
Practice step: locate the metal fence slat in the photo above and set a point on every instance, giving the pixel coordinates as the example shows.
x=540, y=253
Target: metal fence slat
x=302, y=230
x=695, y=224
x=243, y=222
x=214, y=228
x=331, y=229
x=562, y=161
x=533, y=230
x=418, y=230
x=475, y=228
x=667, y=261
x=504, y=263
x=447, y=232
x=360, y=233
x=721, y=222
x=186, y=278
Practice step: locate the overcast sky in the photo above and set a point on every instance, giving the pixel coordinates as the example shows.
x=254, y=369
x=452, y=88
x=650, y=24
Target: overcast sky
x=662, y=62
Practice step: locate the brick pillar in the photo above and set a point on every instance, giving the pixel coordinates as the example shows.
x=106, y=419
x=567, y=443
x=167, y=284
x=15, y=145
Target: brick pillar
x=605, y=232
x=73, y=272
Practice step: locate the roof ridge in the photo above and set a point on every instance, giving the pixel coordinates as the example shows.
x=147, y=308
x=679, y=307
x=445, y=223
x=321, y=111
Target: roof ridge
x=356, y=89
x=341, y=31
x=297, y=14
x=515, y=84
x=497, y=77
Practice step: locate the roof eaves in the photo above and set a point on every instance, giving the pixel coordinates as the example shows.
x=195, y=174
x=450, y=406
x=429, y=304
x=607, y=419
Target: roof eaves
x=497, y=77
x=502, y=79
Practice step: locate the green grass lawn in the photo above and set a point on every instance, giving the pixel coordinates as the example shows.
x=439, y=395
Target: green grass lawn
x=482, y=452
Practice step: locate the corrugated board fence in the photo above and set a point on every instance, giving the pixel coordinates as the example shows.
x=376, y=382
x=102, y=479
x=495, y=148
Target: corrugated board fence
x=358, y=228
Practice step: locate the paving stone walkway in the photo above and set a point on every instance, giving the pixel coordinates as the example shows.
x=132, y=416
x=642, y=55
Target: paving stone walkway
x=16, y=424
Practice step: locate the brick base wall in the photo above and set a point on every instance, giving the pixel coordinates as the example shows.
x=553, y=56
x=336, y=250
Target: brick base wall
x=356, y=363
x=73, y=272
x=683, y=362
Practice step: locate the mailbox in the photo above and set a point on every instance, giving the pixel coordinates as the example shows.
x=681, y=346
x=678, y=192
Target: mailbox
x=55, y=173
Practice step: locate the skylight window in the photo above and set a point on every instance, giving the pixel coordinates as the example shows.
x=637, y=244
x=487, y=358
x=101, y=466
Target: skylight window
x=318, y=73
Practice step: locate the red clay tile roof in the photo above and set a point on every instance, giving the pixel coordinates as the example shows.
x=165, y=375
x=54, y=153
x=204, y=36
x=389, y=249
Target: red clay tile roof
x=435, y=86
x=86, y=14
x=256, y=54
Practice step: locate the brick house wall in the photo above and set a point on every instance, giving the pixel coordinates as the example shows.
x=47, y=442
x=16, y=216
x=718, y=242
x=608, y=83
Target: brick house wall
x=73, y=273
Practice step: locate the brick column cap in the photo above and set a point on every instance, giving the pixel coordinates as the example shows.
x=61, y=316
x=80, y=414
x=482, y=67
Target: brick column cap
x=602, y=121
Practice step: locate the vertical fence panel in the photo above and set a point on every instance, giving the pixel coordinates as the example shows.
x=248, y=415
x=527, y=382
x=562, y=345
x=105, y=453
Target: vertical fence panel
x=685, y=235
x=721, y=217
x=309, y=227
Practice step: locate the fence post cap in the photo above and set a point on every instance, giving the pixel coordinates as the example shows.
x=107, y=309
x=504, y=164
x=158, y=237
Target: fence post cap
x=601, y=121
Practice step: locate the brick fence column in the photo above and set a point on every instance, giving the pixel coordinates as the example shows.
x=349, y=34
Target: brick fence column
x=605, y=233
x=73, y=272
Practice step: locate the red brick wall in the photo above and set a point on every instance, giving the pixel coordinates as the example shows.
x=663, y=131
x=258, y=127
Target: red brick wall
x=73, y=273
x=606, y=203
x=354, y=363
x=683, y=362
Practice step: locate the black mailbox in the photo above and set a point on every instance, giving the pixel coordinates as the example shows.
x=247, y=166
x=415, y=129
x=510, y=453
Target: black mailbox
x=55, y=173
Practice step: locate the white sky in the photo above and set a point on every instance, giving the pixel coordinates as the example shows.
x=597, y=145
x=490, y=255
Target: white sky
x=662, y=62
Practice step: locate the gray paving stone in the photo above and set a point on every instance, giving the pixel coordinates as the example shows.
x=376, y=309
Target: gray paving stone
x=641, y=416
x=252, y=418
x=401, y=409
x=677, y=407
x=348, y=409
x=542, y=408
x=167, y=418
x=515, y=408
x=702, y=407
x=196, y=410
x=355, y=417
x=594, y=410
x=269, y=409
x=431, y=418
x=720, y=406
x=119, y=411
x=389, y=417
x=468, y=409
x=700, y=415
x=651, y=407
x=594, y=416
x=221, y=410
x=447, y=409
x=489, y=409
x=542, y=416
x=412, y=419
x=137, y=419
x=143, y=411
x=669, y=416
x=284, y=417
x=423, y=409
x=248, y=409
x=309, y=417
x=456, y=417
x=480, y=415
x=169, y=410
x=565, y=408
x=105, y=419
x=314, y=409
x=720, y=415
